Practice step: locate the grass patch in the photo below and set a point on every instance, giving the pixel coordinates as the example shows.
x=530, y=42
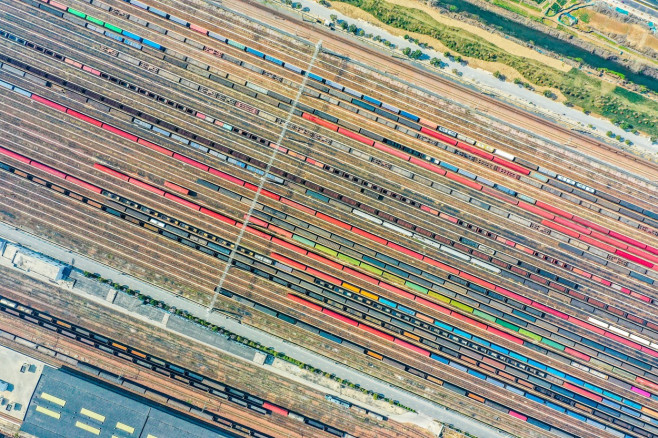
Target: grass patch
x=510, y=7
x=582, y=15
x=588, y=92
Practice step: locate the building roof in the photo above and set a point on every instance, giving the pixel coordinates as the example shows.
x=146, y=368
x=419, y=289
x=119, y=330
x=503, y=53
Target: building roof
x=65, y=405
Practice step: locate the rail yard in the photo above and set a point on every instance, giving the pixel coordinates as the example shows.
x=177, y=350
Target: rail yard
x=456, y=248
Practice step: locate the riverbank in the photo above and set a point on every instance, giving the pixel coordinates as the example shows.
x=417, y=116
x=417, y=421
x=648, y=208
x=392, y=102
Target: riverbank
x=631, y=110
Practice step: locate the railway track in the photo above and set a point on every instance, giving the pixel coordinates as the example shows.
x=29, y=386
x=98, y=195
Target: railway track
x=376, y=209
x=327, y=35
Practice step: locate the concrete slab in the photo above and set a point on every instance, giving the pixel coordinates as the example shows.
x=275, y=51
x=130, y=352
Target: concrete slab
x=21, y=384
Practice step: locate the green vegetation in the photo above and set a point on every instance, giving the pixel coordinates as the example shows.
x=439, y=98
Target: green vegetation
x=510, y=7
x=585, y=91
x=614, y=73
x=554, y=9
x=582, y=15
x=413, y=54
x=148, y=301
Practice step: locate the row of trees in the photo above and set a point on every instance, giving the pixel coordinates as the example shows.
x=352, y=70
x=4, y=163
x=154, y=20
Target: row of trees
x=147, y=300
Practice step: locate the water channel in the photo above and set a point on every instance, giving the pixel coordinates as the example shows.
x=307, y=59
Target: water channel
x=547, y=42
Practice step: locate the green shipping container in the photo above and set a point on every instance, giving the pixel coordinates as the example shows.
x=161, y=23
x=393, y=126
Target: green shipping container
x=113, y=28
x=459, y=305
x=326, y=250
x=483, y=315
x=553, y=344
x=348, y=259
x=371, y=269
x=507, y=324
x=95, y=20
x=530, y=334
x=78, y=13
x=303, y=240
x=438, y=297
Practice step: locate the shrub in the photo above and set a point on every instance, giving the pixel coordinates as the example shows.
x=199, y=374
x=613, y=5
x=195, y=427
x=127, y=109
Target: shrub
x=499, y=75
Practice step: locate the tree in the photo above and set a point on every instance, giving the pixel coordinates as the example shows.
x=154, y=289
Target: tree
x=447, y=54
x=458, y=58
x=333, y=17
x=416, y=54
x=436, y=62
x=361, y=32
x=352, y=28
x=406, y=37
x=497, y=74
x=344, y=25
x=628, y=142
x=377, y=38
x=387, y=43
x=406, y=51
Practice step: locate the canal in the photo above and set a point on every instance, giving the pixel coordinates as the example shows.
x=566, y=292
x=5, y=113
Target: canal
x=547, y=42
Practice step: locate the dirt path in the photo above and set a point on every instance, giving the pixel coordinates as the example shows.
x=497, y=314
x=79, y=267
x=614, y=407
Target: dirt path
x=500, y=41
x=495, y=108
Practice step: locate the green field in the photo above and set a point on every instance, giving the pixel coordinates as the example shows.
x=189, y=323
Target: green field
x=587, y=92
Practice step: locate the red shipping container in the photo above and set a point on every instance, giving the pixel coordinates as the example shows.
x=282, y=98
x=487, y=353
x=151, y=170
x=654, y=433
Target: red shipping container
x=83, y=117
x=48, y=169
x=146, y=186
x=84, y=184
x=119, y=132
x=14, y=155
x=49, y=103
x=305, y=303
x=112, y=172
x=191, y=162
x=340, y=317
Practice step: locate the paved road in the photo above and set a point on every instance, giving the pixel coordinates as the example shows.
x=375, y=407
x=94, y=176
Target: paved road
x=485, y=81
x=423, y=406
